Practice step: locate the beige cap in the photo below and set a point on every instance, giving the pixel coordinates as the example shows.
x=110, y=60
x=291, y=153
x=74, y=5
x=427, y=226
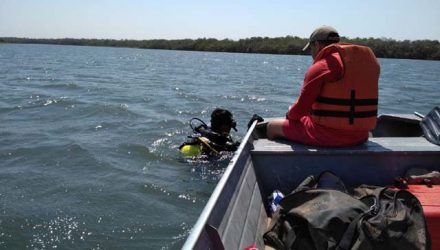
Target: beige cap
x=323, y=33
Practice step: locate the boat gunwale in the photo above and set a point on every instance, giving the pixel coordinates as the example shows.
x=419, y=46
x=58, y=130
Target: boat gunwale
x=199, y=226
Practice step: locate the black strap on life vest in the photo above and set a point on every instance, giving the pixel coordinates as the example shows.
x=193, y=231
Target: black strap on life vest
x=352, y=103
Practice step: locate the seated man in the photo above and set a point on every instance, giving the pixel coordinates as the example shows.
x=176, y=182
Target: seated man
x=337, y=105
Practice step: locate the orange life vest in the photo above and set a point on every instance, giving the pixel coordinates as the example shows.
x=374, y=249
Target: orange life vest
x=351, y=102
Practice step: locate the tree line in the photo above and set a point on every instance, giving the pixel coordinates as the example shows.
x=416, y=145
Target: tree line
x=291, y=45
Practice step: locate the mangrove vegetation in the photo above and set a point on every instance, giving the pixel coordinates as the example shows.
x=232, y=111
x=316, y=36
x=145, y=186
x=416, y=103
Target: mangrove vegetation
x=290, y=45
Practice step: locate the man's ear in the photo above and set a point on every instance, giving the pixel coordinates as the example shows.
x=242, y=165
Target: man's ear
x=317, y=45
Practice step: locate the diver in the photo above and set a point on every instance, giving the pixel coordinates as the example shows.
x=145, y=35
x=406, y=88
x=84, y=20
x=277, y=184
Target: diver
x=211, y=140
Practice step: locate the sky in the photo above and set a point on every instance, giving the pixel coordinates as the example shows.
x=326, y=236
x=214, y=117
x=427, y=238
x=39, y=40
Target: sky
x=221, y=19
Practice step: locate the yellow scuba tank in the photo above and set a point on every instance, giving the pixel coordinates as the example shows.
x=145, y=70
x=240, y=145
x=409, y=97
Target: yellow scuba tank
x=197, y=147
x=191, y=150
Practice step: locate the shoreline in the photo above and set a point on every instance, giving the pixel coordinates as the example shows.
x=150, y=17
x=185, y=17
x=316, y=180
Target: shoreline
x=289, y=45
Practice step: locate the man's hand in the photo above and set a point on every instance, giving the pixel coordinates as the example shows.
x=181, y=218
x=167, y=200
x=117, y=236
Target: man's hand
x=255, y=117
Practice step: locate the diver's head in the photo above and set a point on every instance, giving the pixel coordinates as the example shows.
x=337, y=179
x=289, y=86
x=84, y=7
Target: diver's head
x=222, y=121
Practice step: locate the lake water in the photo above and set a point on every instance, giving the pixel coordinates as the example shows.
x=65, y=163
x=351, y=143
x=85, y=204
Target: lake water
x=89, y=136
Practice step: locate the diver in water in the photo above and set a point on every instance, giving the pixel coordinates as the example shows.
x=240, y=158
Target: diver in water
x=211, y=140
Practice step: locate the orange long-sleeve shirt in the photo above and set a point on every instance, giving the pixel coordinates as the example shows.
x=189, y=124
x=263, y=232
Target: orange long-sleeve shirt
x=299, y=126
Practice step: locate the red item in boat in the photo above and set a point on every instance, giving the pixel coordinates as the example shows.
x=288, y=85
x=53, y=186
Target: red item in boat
x=429, y=197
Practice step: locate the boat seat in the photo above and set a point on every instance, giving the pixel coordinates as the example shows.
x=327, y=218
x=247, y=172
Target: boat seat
x=376, y=162
x=374, y=145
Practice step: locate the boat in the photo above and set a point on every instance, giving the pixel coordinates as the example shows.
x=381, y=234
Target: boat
x=236, y=215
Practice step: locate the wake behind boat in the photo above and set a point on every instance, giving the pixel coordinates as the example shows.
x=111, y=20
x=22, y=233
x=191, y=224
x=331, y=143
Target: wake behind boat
x=237, y=214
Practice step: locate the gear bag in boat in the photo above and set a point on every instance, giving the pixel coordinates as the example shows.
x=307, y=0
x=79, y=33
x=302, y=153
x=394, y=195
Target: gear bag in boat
x=322, y=214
